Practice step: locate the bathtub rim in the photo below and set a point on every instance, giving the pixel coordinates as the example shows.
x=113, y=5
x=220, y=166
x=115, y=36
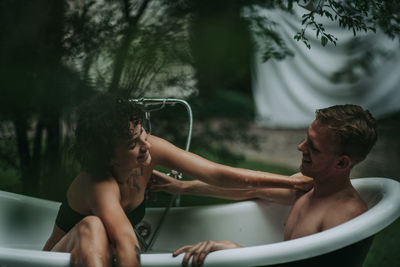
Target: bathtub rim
x=381, y=215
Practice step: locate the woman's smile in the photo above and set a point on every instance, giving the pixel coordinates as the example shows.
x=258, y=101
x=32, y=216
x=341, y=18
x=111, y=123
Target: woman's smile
x=144, y=158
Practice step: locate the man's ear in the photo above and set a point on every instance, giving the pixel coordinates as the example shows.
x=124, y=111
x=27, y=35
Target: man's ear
x=344, y=162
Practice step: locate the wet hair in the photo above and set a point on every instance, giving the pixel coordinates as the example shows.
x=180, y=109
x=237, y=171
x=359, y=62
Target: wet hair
x=102, y=122
x=354, y=128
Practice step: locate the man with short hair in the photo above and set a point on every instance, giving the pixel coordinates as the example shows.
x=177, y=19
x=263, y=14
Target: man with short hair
x=340, y=137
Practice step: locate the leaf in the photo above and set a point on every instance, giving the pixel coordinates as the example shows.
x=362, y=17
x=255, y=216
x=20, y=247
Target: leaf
x=324, y=40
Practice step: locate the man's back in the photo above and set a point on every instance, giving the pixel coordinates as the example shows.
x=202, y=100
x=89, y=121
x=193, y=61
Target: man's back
x=311, y=214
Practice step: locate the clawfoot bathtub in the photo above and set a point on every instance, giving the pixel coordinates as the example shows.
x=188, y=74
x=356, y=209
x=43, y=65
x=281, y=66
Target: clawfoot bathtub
x=26, y=223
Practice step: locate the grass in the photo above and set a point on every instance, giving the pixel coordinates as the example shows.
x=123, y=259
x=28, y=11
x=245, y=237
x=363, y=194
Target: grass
x=384, y=250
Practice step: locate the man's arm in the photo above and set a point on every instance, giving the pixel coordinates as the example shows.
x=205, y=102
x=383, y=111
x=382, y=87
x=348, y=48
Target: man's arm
x=162, y=182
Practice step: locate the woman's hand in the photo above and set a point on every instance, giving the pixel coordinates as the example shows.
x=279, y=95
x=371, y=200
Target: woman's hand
x=301, y=182
x=200, y=250
x=161, y=182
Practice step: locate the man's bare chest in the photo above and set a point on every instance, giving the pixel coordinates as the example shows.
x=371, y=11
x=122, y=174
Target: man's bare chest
x=304, y=219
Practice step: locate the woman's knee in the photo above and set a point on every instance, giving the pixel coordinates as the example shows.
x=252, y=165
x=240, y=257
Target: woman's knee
x=92, y=223
x=91, y=227
x=93, y=241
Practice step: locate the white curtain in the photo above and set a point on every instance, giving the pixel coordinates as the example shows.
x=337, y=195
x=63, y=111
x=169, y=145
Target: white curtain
x=287, y=92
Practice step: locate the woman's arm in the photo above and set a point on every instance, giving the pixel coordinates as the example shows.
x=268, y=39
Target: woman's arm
x=170, y=156
x=162, y=182
x=105, y=203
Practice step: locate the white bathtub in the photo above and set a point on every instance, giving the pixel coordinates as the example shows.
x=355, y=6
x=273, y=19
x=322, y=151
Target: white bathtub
x=26, y=222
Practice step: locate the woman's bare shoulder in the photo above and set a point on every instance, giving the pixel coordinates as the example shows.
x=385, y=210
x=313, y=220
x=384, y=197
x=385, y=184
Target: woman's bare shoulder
x=86, y=192
x=85, y=182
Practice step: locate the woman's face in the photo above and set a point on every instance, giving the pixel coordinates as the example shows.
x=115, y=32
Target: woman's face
x=134, y=152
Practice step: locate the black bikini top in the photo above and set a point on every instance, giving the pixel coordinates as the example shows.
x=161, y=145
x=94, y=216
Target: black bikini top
x=67, y=217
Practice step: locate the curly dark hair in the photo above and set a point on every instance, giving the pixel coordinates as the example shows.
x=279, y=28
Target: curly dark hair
x=354, y=127
x=102, y=122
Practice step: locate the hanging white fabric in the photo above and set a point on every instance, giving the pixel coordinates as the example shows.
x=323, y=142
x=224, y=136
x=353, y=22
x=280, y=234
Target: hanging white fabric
x=287, y=92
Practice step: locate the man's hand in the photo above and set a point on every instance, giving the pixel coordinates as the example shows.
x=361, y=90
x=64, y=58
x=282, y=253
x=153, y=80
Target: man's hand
x=200, y=250
x=161, y=182
x=301, y=182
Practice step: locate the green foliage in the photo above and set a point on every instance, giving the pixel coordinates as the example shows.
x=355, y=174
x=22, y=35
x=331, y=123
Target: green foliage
x=126, y=46
x=8, y=162
x=10, y=181
x=355, y=15
x=221, y=46
x=384, y=250
x=263, y=27
x=223, y=119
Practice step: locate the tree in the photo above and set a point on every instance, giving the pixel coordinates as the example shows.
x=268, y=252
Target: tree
x=31, y=51
x=37, y=89
x=128, y=47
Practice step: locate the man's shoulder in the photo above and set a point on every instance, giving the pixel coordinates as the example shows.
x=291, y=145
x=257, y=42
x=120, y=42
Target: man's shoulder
x=352, y=206
x=343, y=210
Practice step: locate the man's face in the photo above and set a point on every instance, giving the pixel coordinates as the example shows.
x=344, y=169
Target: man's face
x=320, y=152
